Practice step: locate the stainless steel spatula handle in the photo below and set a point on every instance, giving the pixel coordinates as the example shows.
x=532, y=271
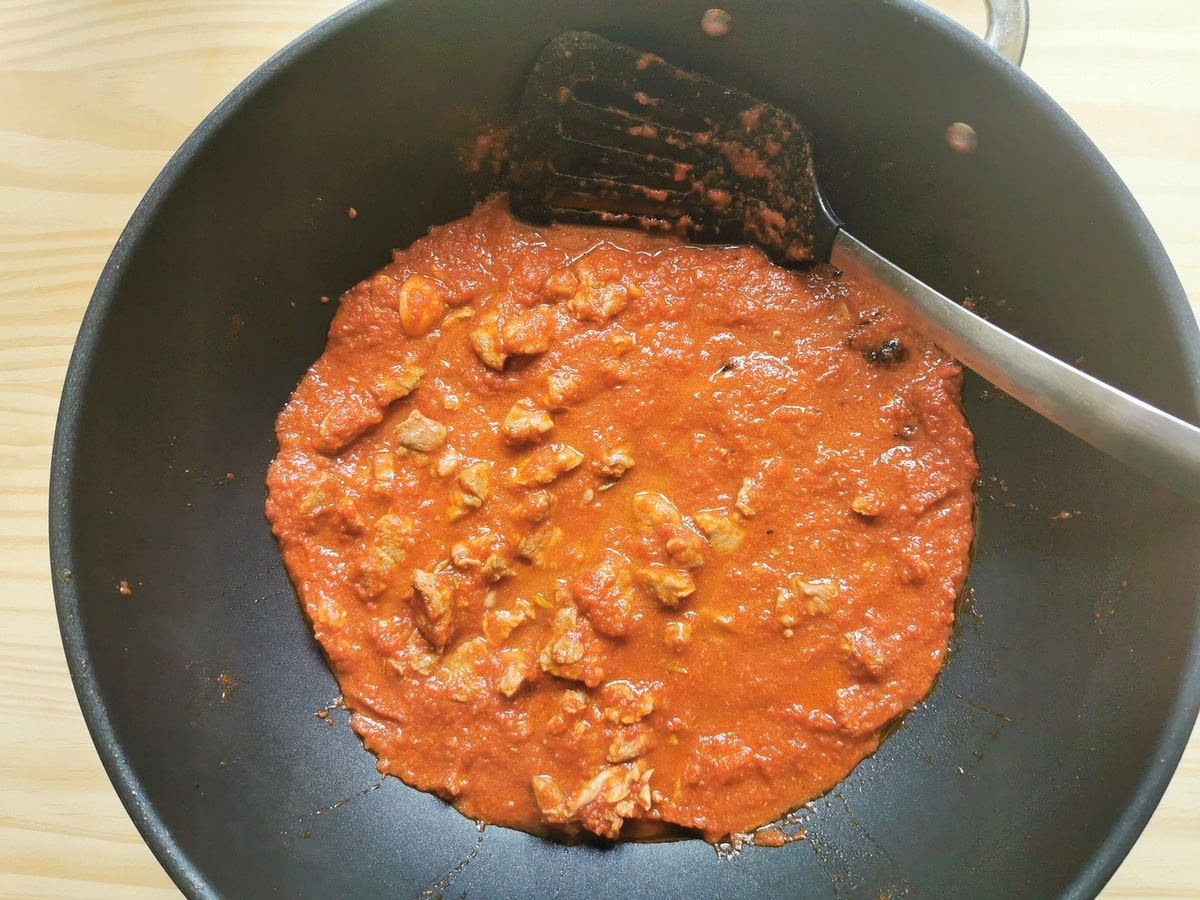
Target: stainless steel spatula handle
x=1153, y=442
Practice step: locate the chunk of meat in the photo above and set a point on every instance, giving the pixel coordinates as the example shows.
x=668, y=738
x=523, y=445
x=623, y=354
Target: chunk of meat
x=515, y=670
x=413, y=656
x=419, y=432
x=819, y=595
x=433, y=607
x=463, y=670
x=561, y=284
x=386, y=547
x=651, y=509
x=571, y=705
x=599, y=294
x=571, y=650
x=476, y=481
x=344, y=422
x=495, y=567
x=624, y=703
x=396, y=383
x=421, y=302
x=473, y=485
x=866, y=505
x=324, y=501
x=657, y=514
x=536, y=545
x=667, y=586
x=383, y=469
x=628, y=744
x=686, y=547
x=461, y=555
x=355, y=411
x=512, y=330
x=746, y=497
x=677, y=635
x=598, y=302
x=804, y=598
x=725, y=534
x=448, y=462
x=545, y=464
x=482, y=552
x=605, y=595
x=487, y=341
x=873, y=656
x=563, y=387
x=527, y=332
x=525, y=423
x=603, y=803
x=620, y=341
x=616, y=462
x=535, y=506
x=498, y=624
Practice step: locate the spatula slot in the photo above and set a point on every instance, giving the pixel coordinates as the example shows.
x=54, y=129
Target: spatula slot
x=656, y=111
x=605, y=126
x=617, y=164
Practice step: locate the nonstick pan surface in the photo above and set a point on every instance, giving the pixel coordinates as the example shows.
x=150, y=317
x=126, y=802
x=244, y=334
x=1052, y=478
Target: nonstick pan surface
x=1072, y=684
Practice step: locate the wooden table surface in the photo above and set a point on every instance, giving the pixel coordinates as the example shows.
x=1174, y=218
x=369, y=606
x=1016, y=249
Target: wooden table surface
x=95, y=95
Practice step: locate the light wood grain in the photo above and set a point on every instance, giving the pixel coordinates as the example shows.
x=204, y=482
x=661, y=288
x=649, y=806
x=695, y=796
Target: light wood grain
x=94, y=97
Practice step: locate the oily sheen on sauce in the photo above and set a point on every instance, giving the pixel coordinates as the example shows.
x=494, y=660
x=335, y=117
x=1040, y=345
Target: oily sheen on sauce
x=601, y=532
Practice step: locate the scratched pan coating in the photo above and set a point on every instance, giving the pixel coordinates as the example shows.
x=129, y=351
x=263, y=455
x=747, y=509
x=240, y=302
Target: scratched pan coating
x=1072, y=684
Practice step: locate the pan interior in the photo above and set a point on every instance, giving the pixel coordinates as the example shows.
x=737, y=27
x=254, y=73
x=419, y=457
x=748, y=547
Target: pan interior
x=1072, y=684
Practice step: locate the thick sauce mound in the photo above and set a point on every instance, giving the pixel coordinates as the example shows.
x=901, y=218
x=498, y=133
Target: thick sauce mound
x=603, y=532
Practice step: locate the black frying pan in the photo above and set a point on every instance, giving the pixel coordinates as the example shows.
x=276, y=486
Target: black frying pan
x=1075, y=671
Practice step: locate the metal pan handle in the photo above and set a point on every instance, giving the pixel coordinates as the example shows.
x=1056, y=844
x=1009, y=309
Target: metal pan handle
x=1007, y=28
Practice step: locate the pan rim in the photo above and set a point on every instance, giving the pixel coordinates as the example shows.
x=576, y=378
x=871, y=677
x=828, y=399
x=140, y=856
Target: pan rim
x=1171, y=743
x=162, y=843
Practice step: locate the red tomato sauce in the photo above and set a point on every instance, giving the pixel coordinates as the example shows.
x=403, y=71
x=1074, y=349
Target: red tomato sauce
x=601, y=532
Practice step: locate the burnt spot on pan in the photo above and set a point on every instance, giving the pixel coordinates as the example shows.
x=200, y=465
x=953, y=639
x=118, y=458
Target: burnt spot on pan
x=874, y=340
x=889, y=352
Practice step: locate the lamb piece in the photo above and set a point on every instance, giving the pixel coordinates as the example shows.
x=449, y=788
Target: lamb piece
x=351, y=416
x=653, y=510
x=421, y=302
x=473, y=485
x=433, y=607
x=512, y=330
x=571, y=651
x=629, y=743
x=421, y=433
x=603, y=803
x=667, y=586
x=606, y=596
x=463, y=670
x=624, y=703
x=616, y=462
x=725, y=534
x=657, y=514
x=525, y=423
x=545, y=464
x=515, y=666
x=536, y=545
x=563, y=388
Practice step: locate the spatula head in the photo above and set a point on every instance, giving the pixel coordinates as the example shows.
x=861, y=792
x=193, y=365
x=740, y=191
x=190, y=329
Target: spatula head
x=611, y=135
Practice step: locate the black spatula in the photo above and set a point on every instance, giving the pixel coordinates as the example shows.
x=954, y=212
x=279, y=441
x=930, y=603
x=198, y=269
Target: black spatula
x=610, y=135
